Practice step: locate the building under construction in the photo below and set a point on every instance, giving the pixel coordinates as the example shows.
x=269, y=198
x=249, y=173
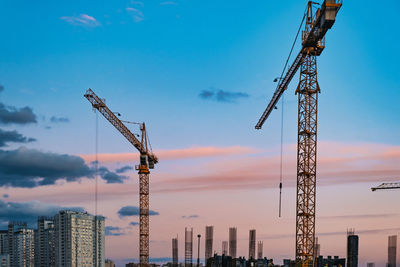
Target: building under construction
x=175, y=252
x=188, y=247
x=259, y=250
x=352, y=248
x=392, y=249
x=252, y=244
x=209, y=242
x=225, y=248
x=232, y=242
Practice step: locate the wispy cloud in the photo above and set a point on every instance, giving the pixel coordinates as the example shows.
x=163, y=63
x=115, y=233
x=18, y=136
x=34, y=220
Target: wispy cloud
x=174, y=154
x=335, y=233
x=169, y=3
x=55, y=119
x=222, y=96
x=194, y=216
x=133, y=211
x=82, y=20
x=136, y=14
x=114, y=231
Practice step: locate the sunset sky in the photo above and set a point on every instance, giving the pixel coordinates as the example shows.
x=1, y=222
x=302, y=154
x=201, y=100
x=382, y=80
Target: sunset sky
x=200, y=74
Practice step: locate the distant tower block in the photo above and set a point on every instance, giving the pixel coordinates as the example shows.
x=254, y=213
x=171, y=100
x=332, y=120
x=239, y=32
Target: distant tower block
x=209, y=242
x=225, y=248
x=352, y=249
x=232, y=242
x=260, y=249
x=252, y=244
x=188, y=247
x=392, y=248
x=370, y=264
x=175, y=252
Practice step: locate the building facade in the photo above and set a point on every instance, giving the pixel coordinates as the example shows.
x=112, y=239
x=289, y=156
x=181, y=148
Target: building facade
x=45, y=254
x=21, y=245
x=79, y=240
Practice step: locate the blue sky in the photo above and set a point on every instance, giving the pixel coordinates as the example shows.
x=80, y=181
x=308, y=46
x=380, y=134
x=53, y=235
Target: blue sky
x=151, y=60
x=165, y=60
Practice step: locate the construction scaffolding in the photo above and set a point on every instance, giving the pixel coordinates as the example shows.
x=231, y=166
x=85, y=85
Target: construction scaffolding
x=260, y=249
x=232, y=242
x=392, y=249
x=188, y=247
x=209, y=242
x=175, y=252
x=252, y=244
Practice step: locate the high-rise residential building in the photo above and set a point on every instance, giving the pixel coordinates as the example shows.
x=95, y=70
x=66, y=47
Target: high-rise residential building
x=79, y=240
x=232, y=242
x=252, y=244
x=392, y=249
x=352, y=249
x=370, y=264
x=45, y=250
x=188, y=247
x=21, y=245
x=3, y=242
x=209, y=242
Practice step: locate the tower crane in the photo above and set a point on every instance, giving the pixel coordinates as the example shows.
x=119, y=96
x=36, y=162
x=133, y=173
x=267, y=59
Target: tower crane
x=147, y=161
x=313, y=43
x=386, y=186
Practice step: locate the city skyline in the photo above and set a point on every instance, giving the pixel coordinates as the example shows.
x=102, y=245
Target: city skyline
x=199, y=75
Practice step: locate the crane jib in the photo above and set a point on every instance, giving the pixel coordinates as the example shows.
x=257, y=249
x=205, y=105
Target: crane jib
x=282, y=86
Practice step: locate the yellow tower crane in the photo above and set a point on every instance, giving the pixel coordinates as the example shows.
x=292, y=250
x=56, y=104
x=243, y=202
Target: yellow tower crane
x=147, y=161
x=313, y=43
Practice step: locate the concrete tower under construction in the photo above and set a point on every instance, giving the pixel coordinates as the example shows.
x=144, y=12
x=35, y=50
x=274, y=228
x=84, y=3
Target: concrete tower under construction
x=175, y=252
x=225, y=248
x=260, y=250
x=188, y=247
x=392, y=249
x=252, y=244
x=209, y=242
x=352, y=249
x=232, y=242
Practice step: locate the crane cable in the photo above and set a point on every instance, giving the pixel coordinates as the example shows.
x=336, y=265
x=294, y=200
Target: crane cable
x=281, y=163
x=96, y=162
x=280, y=81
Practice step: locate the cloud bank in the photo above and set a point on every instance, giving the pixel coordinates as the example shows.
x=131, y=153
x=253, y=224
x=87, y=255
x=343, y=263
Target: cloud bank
x=14, y=137
x=222, y=96
x=133, y=211
x=25, y=167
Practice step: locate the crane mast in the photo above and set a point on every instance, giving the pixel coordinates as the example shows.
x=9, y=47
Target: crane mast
x=147, y=161
x=313, y=43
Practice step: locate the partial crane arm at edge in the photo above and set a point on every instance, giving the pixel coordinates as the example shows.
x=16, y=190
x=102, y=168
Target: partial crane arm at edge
x=98, y=104
x=386, y=186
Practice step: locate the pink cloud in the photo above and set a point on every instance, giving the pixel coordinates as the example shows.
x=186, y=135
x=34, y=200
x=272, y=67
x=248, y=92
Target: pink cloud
x=82, y=20
x=174, y=154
